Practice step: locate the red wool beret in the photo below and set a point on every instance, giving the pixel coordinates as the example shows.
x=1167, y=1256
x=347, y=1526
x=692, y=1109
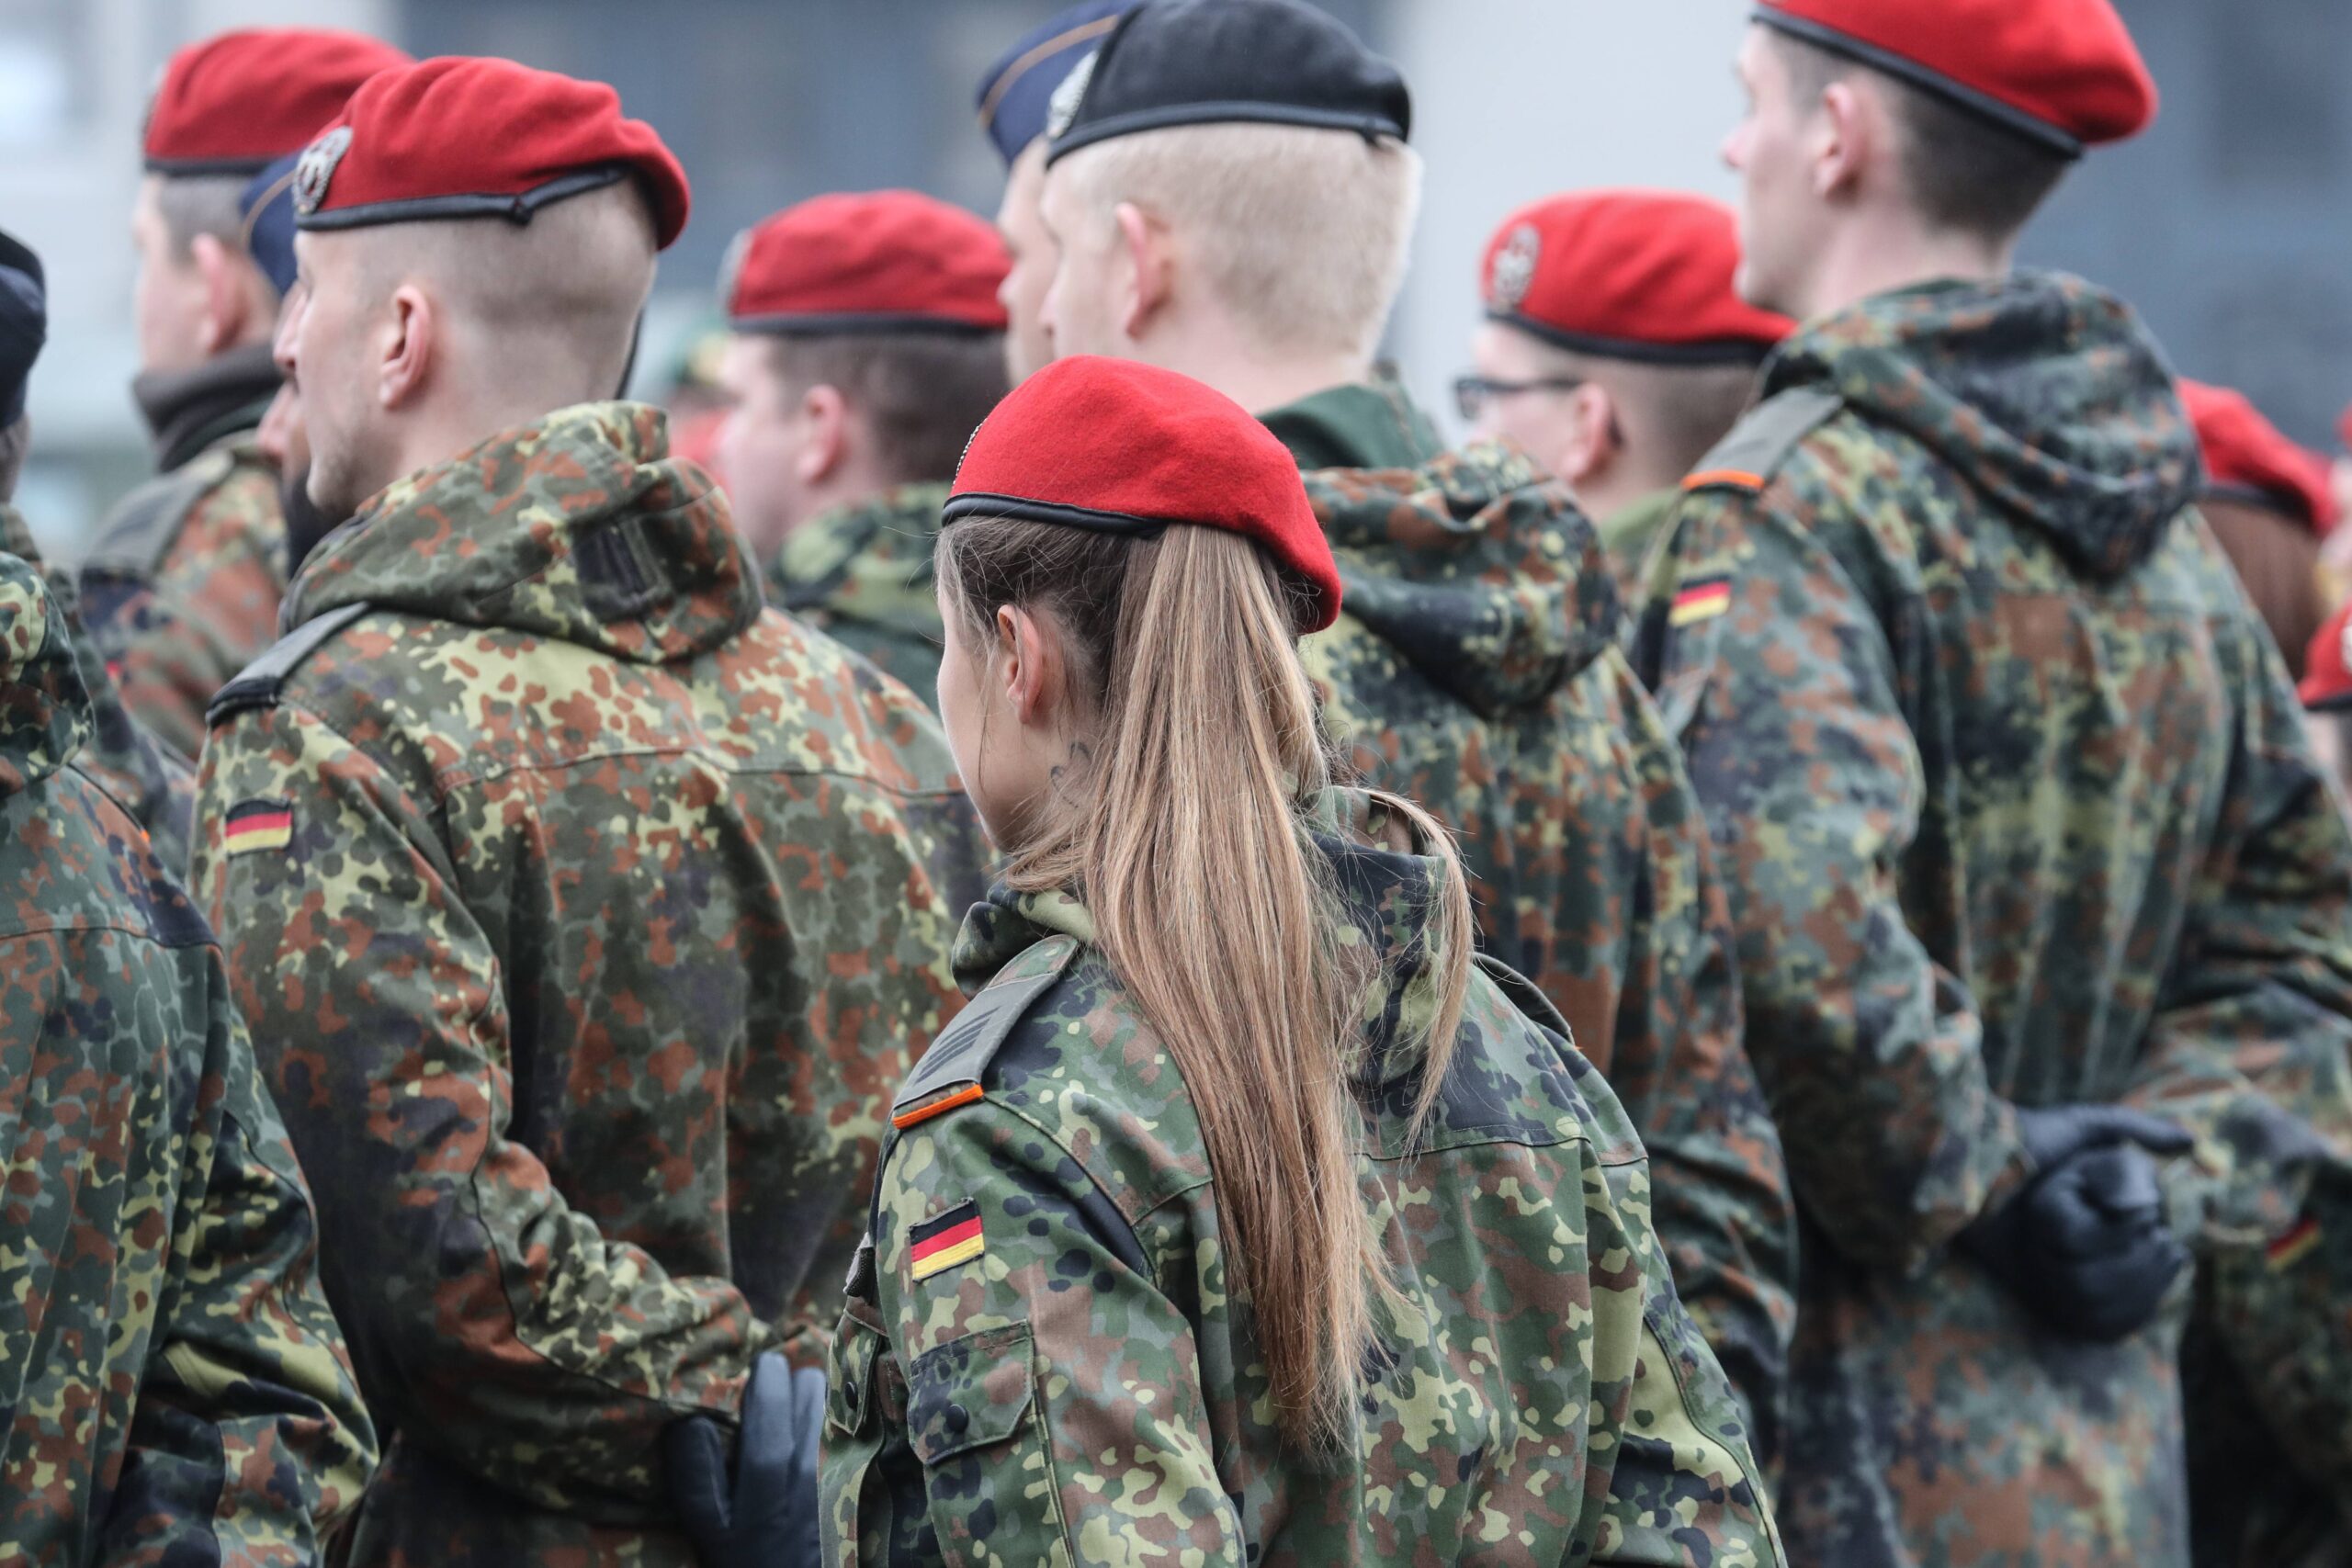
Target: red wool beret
x=2327, y=674
x=1628, y=275
x=2064, y=72
x=1127, y=448
x=240, y=100
x=889, y=260
x=458, y=137
x=2248, y=459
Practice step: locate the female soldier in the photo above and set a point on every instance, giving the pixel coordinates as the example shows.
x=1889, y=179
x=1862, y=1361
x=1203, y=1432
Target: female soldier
x=1241, y=1217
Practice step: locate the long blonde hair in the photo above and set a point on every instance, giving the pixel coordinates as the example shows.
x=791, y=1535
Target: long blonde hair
x=1184, y=834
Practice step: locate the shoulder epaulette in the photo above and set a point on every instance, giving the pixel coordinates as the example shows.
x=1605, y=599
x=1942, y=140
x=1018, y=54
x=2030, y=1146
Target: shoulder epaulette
x=1762, y=440
x=949, y=1074
x=139, y=533
x=258, y=683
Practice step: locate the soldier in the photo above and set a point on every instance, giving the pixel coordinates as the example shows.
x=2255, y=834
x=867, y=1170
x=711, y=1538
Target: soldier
x=1615, y=350
x=1214, y=984
x=183, y=583
x=1232, y=195
x=146, y=778
x=268, y=209
x=2011, y=790
x=1013, y=99
x=2269, y=504
x=178, y=1391
x=582, y=910
x=868, y=344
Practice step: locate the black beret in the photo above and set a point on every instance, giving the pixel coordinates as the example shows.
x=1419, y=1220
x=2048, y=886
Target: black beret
x=1216, y=61
x=24, y=324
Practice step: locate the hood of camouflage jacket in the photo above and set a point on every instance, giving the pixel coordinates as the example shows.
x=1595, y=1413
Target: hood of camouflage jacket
x=580, y=527
x=1477, y=568
x=1385, y=881
x=44, y=714
x=2045, y=391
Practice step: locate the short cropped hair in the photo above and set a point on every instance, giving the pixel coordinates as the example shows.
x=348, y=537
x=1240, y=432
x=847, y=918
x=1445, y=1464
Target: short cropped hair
x=1672, y=415
x=922, y=394
x=1301, y=233
x=1964, y=172
x=201, y=204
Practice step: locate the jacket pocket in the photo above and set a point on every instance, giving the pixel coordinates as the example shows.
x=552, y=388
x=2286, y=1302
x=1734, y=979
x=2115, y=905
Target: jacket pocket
x=853, y=1512
x=973, y=1420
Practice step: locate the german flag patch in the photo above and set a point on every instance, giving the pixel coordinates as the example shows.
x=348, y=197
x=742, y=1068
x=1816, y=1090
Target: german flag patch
x=2289, y=1249
x=259, y=824
x=952, y=1238
x=1701, y=600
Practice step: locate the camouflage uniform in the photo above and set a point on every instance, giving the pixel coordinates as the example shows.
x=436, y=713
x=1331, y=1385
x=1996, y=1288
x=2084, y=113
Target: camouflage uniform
x=1078, y=1383
x=863, y=576
x=183, y=586
x=2014, y=802
x=177, y=1389
x=582, y=911
x=146, y=777
x=1628, y=535
x=1475, y=670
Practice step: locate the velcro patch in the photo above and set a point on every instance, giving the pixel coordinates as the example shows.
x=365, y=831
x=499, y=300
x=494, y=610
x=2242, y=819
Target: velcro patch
x=258, y=825
x=952, y=1238
x=1699, y=600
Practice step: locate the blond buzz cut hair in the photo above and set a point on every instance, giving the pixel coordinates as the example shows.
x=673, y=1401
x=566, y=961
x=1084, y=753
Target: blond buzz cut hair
x=1300, y=234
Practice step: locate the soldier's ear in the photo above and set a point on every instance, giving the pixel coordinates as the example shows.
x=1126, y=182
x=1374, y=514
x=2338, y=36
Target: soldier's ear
x=1147, y=276
x=407, y=348
x=229, y=302
x=1844, y=137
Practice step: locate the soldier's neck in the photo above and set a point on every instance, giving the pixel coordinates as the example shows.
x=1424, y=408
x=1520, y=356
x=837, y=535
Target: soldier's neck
x=1865, y=260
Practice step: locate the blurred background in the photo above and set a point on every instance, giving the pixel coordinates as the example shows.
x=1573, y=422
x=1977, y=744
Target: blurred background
x=2230, y=224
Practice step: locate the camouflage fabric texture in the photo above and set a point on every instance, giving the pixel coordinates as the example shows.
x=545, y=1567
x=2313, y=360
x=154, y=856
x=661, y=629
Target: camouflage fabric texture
x=1082, y=1385
x=146, y=777
x=2012, y=796
x=182, y=588
x=586, y=914
x=178, y=1390
x=1475, y=670
x=863, y=576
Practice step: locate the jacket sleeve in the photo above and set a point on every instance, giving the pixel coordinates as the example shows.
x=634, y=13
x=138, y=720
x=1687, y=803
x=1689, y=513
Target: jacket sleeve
x=489, y=1321
x=249, y=1439
x=1056, y=1400
x=1787, y=698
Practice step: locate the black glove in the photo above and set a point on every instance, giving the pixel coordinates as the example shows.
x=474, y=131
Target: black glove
x=2085, y=1246
x=766, y=1515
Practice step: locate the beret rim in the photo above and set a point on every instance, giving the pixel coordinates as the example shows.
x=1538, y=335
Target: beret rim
x=1231, y=112
x=2049, y=137
x=193, y=168
x=2259, y=497
x=1702, y=352
x=2334, y=702
x=1022, y=509
x=852, y=324
x=518, y=208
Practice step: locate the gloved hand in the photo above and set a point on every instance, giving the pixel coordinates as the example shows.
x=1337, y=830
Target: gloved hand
x=2085, y=1245
x=766, y=1515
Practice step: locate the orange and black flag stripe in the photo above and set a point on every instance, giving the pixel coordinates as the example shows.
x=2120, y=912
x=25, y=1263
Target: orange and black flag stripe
x=258, y=825
x=945, y=1240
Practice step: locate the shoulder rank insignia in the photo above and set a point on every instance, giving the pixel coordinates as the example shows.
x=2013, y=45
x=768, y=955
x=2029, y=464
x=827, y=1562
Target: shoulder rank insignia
x=258, y=825
x=1699, y=599
x=946, y=1241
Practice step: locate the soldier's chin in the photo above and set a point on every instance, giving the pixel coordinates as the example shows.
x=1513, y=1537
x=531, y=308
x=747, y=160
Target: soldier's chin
x=306, y=522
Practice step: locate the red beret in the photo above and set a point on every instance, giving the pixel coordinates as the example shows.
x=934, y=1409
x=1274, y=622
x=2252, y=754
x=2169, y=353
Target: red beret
x=466, y=138
x=1127, y=448
x=2063, y=73
x=890, y=260
x=1628, y=275
x=240, y=100
x=2247, y=457
x=2327, y=682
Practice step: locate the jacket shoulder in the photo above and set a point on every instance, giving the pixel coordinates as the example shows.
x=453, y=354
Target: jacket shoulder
x=950, y=1073
x=137, y=536
x=262, y=682
x=1764, y=439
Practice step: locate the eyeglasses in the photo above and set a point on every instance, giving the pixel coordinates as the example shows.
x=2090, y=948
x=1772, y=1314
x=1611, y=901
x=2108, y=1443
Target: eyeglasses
x=1471, y=392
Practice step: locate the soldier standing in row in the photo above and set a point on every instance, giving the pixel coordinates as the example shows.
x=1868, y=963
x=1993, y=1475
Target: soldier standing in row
x=1241, y=1219
x=1231, y=196
x=583, y=911
x=183, y=583
x=2009, y=783
x=868, y=344
x=1616, y=351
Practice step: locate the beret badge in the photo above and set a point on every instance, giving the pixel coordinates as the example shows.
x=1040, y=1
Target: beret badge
x=1515, y=266
x=317, y=167
x=1063, y=109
